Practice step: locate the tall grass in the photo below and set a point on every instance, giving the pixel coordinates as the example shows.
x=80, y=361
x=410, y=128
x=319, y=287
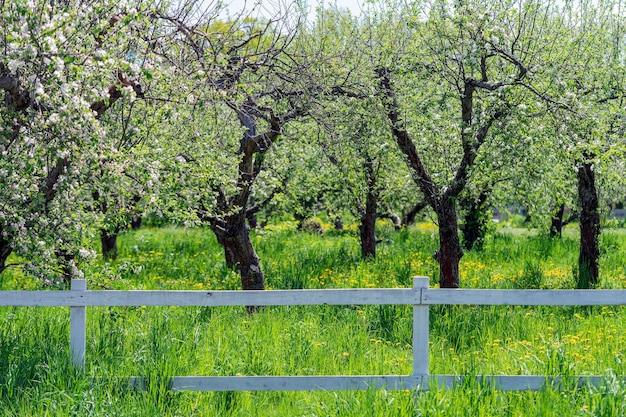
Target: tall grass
x=37, y=379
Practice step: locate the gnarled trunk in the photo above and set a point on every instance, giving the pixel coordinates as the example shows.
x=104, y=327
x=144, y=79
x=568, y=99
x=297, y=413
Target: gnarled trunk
x=240, y=253
x=108, y=240
x=589, y=227
x=450, y=252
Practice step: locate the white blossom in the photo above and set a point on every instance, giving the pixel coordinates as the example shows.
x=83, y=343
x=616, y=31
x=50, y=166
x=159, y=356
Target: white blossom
x=52, y=45
x=14, y=65
x=54, y=118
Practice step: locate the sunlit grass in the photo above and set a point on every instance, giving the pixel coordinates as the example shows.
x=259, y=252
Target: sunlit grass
x=36, y=377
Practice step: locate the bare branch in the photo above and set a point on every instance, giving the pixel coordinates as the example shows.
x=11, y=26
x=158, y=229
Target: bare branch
x=484, y=84
x=115, y=93
x=406, y=145
x=547, y=98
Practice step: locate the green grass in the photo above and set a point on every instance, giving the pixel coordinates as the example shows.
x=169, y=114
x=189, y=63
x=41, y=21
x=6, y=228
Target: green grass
x=37, y=378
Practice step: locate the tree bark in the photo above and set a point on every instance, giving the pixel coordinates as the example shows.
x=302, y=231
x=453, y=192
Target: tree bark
x=108, y=240
x=450, y=251
x=395, y=219
x=231, y=231
x=253, y=221
x=408, y=218
x=367, y=228
x=588, y=271
x=368, y=236
x=135, y=222
x=229, y=254
x=556, y=223
x=66, y=261
x=368, y=214
x=239, y=251
x=475, y=222
x=5, y=252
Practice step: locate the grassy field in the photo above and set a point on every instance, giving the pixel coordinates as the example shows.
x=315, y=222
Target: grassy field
x=38, y=380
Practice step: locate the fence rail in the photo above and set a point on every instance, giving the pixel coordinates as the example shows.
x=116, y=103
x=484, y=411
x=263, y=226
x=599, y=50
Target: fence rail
x=420, y=296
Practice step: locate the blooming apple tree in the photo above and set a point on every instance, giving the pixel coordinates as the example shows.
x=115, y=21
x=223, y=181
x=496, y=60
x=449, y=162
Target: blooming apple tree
x=62, y=65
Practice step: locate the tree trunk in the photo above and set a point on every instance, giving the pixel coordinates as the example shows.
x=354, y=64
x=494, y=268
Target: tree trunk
x=5, y=252
x=589, y=227
x=253, y=221
x=108, y=239
x=66, y=264
x=558, y=222
x=229, y=254
x=135, y=222
x=299, y=218
x=476, y=219
x=450, y=252
x=395, y=219
x=240, y=253
x=556, y=225
x=408, y=218
x=367, y=227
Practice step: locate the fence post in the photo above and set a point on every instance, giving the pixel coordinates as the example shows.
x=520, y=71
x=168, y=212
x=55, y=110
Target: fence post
x=420, y=334
x=78, y=326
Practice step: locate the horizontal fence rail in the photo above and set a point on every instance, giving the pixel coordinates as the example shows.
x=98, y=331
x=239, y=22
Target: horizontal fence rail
x=420, y=296
x=210, y=298
x=360, y=296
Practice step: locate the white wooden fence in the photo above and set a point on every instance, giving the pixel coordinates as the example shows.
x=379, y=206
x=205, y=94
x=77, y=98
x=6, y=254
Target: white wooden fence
x=420, y=296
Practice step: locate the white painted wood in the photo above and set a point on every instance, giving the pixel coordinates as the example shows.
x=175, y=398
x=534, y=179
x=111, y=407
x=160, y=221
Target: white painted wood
x=524, y=297
x=420, y=330
x=388, y=382
x=313, y=297
x=293, y=383
x=212, y=298
x=420, y=297
x=517, y=382
x=78, y=326
x=38, y=298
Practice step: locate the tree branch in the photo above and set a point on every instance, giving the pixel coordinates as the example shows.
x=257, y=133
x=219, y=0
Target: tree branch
x=470, y=152
x=403, y=139
x=115, y=93
x=17, y=98
x=262, y=204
